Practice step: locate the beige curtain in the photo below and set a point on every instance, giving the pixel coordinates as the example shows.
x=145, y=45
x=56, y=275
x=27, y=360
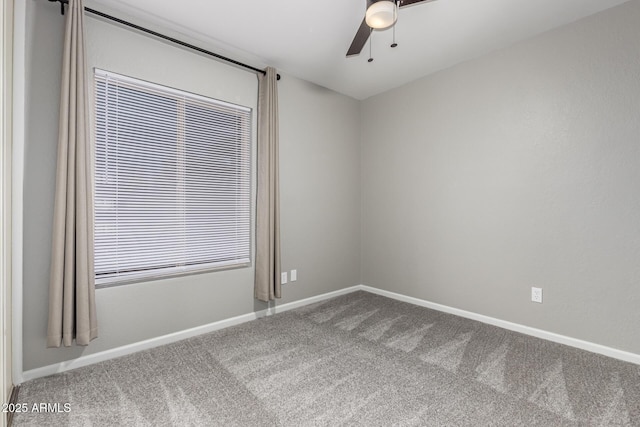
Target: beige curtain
x=267, y=281
x=72, y=308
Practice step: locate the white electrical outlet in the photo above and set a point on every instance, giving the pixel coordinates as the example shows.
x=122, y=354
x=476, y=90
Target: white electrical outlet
x=294, y=275
x=283, y=278
x=536, y=294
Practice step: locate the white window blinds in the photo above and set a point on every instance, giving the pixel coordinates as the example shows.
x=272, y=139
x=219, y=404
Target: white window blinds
x=173, y=190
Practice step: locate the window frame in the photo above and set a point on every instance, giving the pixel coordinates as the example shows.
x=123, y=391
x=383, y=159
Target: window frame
x=189, y=269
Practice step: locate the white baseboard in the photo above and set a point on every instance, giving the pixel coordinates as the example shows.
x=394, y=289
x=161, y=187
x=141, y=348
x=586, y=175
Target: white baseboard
x=176, y=336
x=301, y=303
x=527, y=330
x=188, y=333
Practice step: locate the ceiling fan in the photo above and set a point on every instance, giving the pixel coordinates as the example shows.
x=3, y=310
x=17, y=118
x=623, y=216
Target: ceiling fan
x=380, y=14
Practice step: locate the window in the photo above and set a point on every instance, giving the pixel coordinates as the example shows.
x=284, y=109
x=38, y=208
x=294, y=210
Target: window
x=172, y=181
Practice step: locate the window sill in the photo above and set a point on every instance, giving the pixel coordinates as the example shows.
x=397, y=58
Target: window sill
x=169, y=273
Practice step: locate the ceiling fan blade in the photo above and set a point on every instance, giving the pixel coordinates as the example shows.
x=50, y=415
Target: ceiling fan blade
x=360, y=39
x=405, y=3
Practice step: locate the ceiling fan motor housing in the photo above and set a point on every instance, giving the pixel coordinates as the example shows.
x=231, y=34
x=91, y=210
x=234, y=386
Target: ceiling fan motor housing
x=381, y=14
x=377, y=8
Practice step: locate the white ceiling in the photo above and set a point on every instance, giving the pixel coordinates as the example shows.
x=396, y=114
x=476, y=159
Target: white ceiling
x=309, y=39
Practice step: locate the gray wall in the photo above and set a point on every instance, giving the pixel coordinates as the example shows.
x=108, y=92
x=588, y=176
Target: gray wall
x=519, y=168
x=516, y=169
x=320, y=187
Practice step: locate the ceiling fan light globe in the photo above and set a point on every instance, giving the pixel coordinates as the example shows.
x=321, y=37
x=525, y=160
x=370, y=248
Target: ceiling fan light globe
x=381, y=15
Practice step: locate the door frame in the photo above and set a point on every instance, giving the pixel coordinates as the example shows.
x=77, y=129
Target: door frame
x=6, y=105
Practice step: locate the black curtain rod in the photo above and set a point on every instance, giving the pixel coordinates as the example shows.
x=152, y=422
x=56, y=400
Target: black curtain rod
x=164, y=37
